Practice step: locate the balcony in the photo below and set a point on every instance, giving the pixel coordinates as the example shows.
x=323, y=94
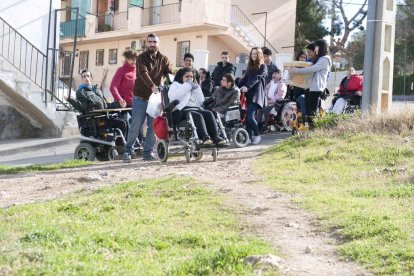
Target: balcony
x=67, y=29
x=112, y=22
x=166, y=14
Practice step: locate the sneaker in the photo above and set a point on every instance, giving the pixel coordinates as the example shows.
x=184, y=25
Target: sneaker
x=127, y=158
x=149, y=157
x=207, y=141
x=256, y=140
x=220, y=141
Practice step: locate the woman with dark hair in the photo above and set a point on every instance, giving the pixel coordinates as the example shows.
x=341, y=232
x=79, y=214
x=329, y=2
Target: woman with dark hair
x=206, y=82
x=191, y=99
x=253, y=84
x=320, y=69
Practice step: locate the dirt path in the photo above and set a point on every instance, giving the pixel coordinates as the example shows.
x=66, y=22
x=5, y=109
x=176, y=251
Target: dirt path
x=272, y=215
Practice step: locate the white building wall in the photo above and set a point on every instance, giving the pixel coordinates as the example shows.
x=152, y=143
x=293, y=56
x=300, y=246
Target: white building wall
x=30, y=18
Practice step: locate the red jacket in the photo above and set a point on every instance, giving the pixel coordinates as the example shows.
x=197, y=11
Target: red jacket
x=122, y=85
x=354, y=84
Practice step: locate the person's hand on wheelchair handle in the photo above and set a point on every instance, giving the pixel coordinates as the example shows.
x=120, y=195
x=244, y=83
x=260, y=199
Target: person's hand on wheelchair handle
x=243, y=89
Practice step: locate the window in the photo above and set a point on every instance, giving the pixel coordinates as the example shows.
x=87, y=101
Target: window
x=113, y=55
x=136, y=3
x=66, y=64
x=183, y=47
x=83, y=60
x=100, y=57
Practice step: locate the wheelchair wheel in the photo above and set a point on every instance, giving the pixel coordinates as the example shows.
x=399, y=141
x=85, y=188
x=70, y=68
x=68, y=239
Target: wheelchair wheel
x=85, y=151
x=162, y=150
x=197, y=155
x=112, y=154
x=187, y=153
x=240, y=137
x=214, y=153
x=286, y=115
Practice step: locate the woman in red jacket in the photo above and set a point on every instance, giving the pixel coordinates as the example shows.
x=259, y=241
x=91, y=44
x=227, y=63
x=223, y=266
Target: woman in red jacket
x=350, y=88
x=122, y=85
x=123, y=81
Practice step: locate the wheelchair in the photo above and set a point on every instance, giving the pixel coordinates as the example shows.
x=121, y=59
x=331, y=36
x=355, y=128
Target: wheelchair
x=280, y=117
x=99, y=139
x=181, y=134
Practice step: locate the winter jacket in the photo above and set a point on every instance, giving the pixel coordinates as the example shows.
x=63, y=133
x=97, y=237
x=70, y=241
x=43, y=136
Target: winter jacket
x=122, y=84
x=224, y=98
x=320, y=72
x=280, y=90
x=88, y=99
x=207, y=87
x=354, y=84
x=254, y=81
x=150, y=70
x=271, y=68
x=219, y=71
x=183, y=92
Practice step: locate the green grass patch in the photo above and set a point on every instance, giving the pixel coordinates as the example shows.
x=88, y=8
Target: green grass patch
x=361, y=186
x=153, y=227
x=5, y=169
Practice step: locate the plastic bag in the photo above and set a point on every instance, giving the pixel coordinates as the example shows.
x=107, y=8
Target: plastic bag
x=154, y=105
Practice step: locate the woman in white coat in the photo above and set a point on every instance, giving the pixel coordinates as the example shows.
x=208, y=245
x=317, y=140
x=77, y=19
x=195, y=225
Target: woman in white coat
x=191, y=100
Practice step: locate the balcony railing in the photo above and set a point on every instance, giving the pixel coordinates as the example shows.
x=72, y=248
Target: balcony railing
x=170, y=13
x=67, y=29
x=112, y=22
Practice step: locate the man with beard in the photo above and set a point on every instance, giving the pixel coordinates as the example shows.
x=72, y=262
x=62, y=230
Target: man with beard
x=151, y=67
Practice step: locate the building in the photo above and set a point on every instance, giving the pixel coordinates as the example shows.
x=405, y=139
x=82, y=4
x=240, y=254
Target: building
x=27, y=100
x=106, y=28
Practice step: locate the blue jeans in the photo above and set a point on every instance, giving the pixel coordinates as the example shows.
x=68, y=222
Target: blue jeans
x=139, y=113
x=251, y=123
x=301, y=100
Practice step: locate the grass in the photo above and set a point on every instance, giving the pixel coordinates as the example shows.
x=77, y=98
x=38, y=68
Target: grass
x=359, y=180
x=5, y=169
x=168, y=226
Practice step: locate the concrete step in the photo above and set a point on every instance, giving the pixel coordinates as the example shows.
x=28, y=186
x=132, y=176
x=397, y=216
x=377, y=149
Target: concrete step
x=11, y=147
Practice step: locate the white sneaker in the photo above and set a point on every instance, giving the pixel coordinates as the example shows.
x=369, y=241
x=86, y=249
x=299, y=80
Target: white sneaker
x=256, y=140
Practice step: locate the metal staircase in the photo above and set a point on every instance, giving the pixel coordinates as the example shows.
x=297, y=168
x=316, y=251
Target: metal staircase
x=246, y=29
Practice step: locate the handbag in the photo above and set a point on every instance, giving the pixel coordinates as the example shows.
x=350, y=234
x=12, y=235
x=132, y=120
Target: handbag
x=160, y=127
x=154, y=105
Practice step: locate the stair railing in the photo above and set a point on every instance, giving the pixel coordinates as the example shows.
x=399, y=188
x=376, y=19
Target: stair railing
x=240, y=20
x=26, y=58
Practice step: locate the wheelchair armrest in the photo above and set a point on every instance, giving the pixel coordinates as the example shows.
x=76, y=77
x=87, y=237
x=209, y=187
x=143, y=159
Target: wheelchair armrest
x=208, y=101
x=171, y=105
x=234, y=107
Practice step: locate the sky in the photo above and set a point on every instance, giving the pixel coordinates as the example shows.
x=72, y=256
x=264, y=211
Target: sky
x=351, y=7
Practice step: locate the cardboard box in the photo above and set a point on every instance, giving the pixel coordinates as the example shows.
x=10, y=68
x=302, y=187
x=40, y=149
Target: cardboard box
x=298, y=80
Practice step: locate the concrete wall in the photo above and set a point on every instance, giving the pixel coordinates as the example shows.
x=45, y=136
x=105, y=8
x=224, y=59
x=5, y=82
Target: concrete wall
x=29, y=17
x=281, y=17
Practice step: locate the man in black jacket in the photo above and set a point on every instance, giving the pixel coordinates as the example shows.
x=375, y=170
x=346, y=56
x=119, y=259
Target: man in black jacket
x=271, y=68
x=223, y=67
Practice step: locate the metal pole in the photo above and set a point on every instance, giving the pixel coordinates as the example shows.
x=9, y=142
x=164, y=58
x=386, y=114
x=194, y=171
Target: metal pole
x=405, y=55
x=74, y=48
x=47, y=48
x=369, y=54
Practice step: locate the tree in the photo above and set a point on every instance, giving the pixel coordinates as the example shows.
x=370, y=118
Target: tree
x=309, y=17
x=404, y=38
x=344, y=25
x=356, y=47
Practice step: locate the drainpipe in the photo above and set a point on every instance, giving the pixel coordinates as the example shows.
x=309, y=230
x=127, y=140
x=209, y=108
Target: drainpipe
x=369, y=54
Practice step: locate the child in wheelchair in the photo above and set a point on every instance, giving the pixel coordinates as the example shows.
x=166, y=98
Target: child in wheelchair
x=275, y=93
x=226, y=103
x=191, y=99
